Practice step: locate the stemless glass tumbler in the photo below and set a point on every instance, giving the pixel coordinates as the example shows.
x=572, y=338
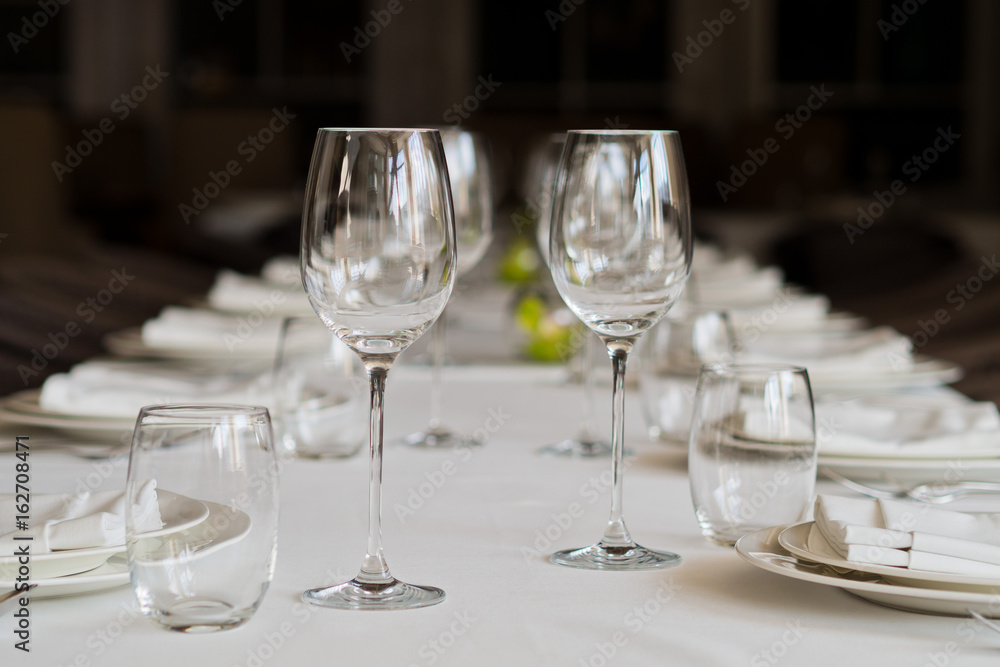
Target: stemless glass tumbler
x=620, y=254
x=378, y=263
x=752, y=453
x=211, y=473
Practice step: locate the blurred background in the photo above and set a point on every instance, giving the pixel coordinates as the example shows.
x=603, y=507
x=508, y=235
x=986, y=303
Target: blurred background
x=852, y=142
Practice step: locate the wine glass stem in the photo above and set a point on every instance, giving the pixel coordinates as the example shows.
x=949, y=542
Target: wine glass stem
x=616, y=534
x=438, y=335
x=375, y=570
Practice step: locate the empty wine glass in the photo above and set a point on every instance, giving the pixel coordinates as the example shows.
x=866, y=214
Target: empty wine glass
x=469, y=173
x=672, y=356
x=620, y=256
x=378, y=263
x=587, y=442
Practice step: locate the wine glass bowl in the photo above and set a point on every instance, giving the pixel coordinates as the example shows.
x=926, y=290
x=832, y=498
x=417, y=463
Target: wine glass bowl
x=620, y=254
x=378, y=263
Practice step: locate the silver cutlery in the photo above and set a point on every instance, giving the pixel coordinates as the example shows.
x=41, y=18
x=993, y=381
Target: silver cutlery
x=929, y=492
x=10, y=599
x=982, y=619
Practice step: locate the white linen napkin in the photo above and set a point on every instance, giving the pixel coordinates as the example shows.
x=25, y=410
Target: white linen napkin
x=62, y=521
x=209, y=331
x=914, y=426
x=879, y=350
x=114, y=388
x=918, y=537
x=235, y=292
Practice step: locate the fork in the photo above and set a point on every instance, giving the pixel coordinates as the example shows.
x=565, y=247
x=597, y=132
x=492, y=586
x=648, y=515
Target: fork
x=982, y=619
x=936, y=493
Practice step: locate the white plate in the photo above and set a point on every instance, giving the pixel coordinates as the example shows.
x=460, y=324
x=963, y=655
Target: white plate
x=177, y=512
x=913, y=470
x=762, y=550
x=796, y=541
x=924, y=372
x=23, y=408
x=112, y=574
x=222, y=526
x=129, y=343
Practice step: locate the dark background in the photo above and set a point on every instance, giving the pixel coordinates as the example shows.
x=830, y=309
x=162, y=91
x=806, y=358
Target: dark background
x=722, y=72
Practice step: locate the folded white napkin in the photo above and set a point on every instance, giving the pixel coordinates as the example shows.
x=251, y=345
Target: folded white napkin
x=62, y=521
x=114, y=388
x=878, y=350
x=732, y=287
x=907, y=425
x=283, y=270
x=210, y=331
x=918, y=537
x=235, y=292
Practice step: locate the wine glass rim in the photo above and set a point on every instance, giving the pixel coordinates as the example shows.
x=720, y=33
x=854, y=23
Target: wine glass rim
x=189, y=411
x=377, y=129
x=738, y=369
x=610, y=133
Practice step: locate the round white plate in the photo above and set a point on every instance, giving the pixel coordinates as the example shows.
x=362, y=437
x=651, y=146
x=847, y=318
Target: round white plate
x=129, y=343
x=177, y=512
x=23, y=408
x=112, y=574
x=923, y=372
x=762, y=550
x=796, y=541
x=913, y=470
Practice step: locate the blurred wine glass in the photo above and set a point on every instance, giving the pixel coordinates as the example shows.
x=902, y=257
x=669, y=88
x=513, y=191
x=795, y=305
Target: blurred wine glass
x=467, y=154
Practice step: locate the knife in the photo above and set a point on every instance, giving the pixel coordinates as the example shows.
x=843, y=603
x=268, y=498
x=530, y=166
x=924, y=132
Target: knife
x=10, y=600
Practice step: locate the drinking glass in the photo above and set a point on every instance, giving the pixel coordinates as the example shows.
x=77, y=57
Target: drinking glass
x=213, y=471
x=319, y=392
x=469, y=172
x=672, y=356
x=620, y=254
x=587, y=441
x=752, y=456
x=378, y=263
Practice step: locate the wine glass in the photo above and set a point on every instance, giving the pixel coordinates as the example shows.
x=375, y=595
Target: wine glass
x=620, y=255
x=469, y=173
x=587, y=442
x=378, y=263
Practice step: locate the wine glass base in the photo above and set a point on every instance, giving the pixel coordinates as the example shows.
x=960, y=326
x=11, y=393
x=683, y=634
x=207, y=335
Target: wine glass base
x=574, y=448
x=599, y=557
x=438, y=437
x=354, y=594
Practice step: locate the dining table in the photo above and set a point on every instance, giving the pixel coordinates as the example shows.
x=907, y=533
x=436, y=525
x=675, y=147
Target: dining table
x=480, y=521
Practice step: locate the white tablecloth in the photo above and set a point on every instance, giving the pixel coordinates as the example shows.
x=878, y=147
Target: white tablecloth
x=475, y=533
